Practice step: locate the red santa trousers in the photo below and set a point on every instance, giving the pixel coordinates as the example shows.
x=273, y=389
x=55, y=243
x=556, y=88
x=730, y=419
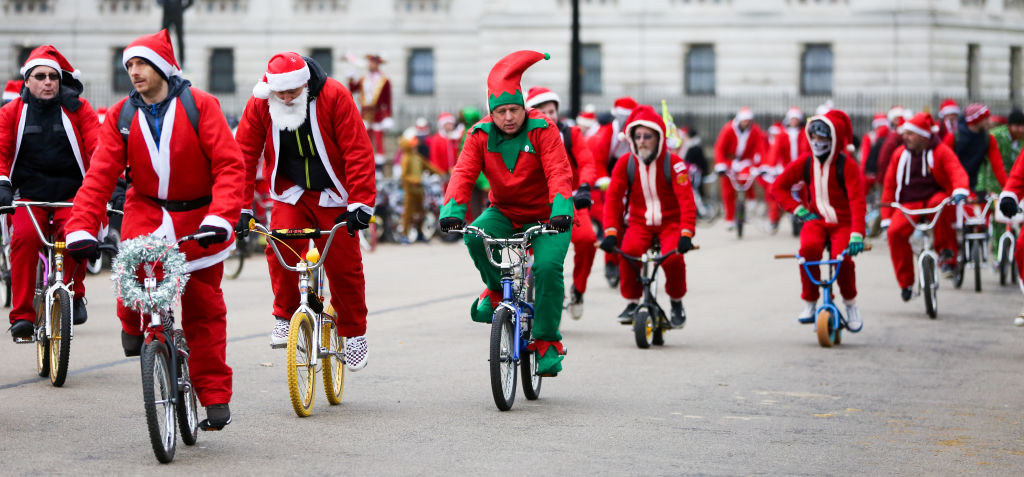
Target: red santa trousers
x=813, y=235
x=343, y=265
x=900, y=231
x=729, y=199
x=25, y=248
x=377, y=138
x=1018, y=256
x=204, y=320
x=637, y=240
x=583, y=240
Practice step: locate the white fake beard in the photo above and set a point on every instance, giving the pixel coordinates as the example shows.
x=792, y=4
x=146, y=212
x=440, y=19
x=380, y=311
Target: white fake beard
x=288, y=117
x=646, y=154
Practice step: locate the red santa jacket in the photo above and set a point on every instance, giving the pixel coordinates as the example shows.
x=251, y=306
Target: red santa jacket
x=341, y=143
x=443, y=152
x=539, y=184
x=182, y=167
x=1015, y=181
x=375, y=94
x=653, y=199
x=746, y=148
x=81, y=126
x=581, y=160
x=782, y=150
x=939, y=164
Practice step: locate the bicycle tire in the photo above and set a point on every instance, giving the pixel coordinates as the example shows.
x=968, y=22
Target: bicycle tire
x=94, y=267
x=643, y=327
x=501, y=364
x=156, y=397
x=430, y=225
x=823, y=327
x=960, y=267
x=1004, y=262
x=976, y=258
x=741, y=212
x=60, y=337
x=528, y=370
x=658, y=335
x=42, y=352
x=332, y=365
x=188, y=405
x=5, y=276
x=235, y=261
x=931, y=305
x=301, y=364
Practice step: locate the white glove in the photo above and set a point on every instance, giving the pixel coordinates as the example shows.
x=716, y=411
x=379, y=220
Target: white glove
x=387, y=123
x=884, y=223
x=720, y=168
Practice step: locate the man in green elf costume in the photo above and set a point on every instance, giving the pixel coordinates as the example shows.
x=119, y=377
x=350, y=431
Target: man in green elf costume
x=521, y=154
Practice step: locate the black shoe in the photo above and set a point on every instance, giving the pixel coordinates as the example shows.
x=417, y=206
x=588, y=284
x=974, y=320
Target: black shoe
x=947, y=263
x=217, y=416
x=626, y=317
x=611, y=273
x=906, y=293
x=678, y=319
x=132, y=344
x=79, y=311
x=21, y=329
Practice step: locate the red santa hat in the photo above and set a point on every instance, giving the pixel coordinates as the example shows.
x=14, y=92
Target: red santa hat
x=775, y=129
x=793, y=112
x=12, y=89
x=644, y=115
x=921, y=124
x=586, y=119
x=976, y=113
x=157, y=50
x=948, y=106
x=47, y=55
x=623, y=106
x=445, y=118
x=744, y=114
x=285, y=71
x=895, y=114
x=879, y=120
x=504, y=81
x=842, y=129
x=539, y=95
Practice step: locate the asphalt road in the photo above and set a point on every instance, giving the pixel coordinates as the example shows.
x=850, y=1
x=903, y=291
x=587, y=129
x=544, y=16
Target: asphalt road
x=743, y=390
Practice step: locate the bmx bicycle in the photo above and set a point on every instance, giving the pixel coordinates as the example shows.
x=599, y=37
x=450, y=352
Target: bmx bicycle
x=1005, y=260
x=973, y=236
x=741, y=182
x=829, y=322
x=512, y=322
x=926, y=279
x=313, y=343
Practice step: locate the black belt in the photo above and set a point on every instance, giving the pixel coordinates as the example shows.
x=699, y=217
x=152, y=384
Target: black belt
x=182, y=205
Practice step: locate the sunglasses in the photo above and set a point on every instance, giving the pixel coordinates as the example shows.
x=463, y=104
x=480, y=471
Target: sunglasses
x=643, y=137
x=43, y=76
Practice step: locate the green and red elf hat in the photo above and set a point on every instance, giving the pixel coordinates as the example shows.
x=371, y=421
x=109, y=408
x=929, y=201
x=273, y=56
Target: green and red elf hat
x=503, y=82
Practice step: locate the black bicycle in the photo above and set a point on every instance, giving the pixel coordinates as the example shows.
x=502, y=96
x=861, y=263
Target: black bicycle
x=649, y=319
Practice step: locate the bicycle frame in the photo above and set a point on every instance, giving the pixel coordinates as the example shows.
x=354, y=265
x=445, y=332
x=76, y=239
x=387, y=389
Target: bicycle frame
x=834, y=266
x=973, y=228
x=925, y=227
x=648, y=273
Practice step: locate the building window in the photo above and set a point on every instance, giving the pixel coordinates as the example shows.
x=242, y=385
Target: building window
x=222, y=70
x=816, y=70
x=420, y=71
x=122, y=82
x=324, y=57
x=973, y=70
x=23, y=53
x=590, y=63
x=700, y=70
x=1015, y=74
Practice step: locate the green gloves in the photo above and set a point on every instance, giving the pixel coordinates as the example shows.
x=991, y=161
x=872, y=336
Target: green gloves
x=856, y=244
x=804, y=215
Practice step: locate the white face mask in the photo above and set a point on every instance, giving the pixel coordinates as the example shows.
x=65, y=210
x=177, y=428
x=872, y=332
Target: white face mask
x=821, y=148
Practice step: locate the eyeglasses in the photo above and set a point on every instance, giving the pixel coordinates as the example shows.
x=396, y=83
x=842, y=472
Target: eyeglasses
x=643, y=137
x=43, y=76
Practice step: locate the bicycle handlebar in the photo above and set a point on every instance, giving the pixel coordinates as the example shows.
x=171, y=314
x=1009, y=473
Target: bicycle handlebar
x=839, y=258
x=306, y=233
x=520, y=239
x=28, y=204
x=911, y=213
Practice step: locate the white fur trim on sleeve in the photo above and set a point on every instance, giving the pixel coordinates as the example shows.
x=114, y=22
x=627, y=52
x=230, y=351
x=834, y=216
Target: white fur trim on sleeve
x=356, y=205
x=78, y=235
x=1002, y=195
x=963, y=192
x=217, y=221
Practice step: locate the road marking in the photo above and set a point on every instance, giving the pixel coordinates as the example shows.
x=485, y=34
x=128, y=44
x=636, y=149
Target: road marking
x=240, y=338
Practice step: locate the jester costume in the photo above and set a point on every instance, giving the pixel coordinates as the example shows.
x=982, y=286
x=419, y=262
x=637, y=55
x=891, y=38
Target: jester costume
x=531, y=182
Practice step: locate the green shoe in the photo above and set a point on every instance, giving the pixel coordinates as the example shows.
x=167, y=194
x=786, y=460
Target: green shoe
x=549, y=357
x=482, y=311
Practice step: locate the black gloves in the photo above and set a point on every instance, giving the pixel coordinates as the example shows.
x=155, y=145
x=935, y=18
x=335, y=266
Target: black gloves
x=685, y=244
x=582, y=198
x=242, y=227
x=356, y=220
x=608, y=243
x=117, y=199
x=561, y=223
x=1007, y=205
x=6, y=194
x=451, y=223
x=81, y=250
x=220, y=235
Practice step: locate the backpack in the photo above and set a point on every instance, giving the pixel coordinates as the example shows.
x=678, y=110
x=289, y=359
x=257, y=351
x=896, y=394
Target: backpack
x=840, y=172
x=566, y=132
x=128, y=109
x=871, y=163
x=631, y=171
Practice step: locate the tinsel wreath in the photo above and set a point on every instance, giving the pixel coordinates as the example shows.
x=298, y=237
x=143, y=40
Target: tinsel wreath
x=147, y=251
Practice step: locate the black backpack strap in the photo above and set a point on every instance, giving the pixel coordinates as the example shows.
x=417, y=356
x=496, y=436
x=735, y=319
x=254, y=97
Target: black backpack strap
x=128, y=109
x=566, y=132
x=630, y=172
x=666, y=167
x=189, y=103
x=125, y=117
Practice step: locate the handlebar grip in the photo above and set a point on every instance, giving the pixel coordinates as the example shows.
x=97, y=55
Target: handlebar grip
x=784, y=255
x=296, y=233
x=106, y=247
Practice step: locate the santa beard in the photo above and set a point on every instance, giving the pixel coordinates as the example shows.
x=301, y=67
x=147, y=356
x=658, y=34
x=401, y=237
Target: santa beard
x=646, y=154
x=288, y=117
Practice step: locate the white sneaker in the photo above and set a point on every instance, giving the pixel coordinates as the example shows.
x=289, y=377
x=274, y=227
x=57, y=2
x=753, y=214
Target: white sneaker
x=1019, y=320
x=808, y=311
x=575, y=303
x=279, y=337
x=355, y=353
x=730, y=225
x=853, y=321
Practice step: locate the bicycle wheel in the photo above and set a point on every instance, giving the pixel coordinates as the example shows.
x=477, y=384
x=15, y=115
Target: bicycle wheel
x=824, y=328
x=93, y=267
x=741, y=212
x=235, y=261
x=502, y=365
x=658, y=334
x=156, y=396
x=528, y=369
x=960, y=267
x=5, y=277
x=976, y=258
x=1004, y=262
x=333, y=366
x=42, y=351
x=928, y=287
x=60, y=337
x=301, y=363
x=188, y=405
x=643, y=327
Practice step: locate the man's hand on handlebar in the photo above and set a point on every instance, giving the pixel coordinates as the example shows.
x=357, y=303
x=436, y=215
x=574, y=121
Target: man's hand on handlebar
x=685, y=244
x=608, y=243
x=1008, y=206
x=804, y=215
x=356, y=220
x=85, y=249
x=449, y=224
x=6, y=195
x=242, y=227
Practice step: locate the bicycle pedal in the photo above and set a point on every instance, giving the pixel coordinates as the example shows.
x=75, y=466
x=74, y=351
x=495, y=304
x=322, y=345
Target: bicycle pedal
x=27, y=340
x=806, y=321
x=279, y=346
x=205, y=425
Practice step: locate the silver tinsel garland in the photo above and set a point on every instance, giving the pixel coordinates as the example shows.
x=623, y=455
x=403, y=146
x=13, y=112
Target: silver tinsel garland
x=148, y=251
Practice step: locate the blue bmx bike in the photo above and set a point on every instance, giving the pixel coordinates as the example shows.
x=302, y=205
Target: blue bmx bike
x=829, y=322
x=512, y=322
